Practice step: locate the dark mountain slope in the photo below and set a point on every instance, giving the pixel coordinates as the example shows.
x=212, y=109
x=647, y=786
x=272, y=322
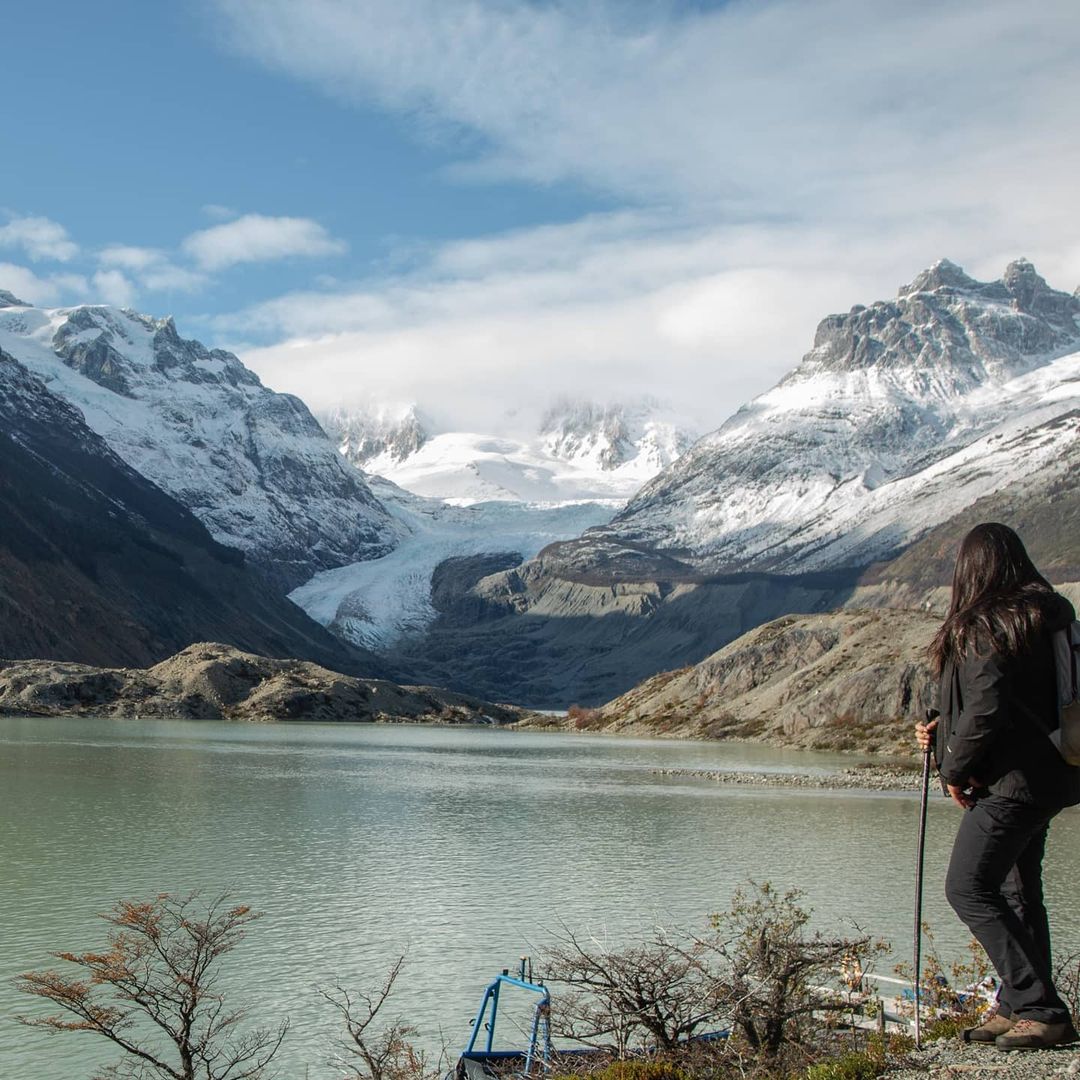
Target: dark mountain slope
x=99, y=565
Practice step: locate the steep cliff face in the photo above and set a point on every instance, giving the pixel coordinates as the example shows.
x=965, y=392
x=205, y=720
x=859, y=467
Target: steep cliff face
x=611, y=437
x=253, y=465
x=98, y=564
x=377, y=438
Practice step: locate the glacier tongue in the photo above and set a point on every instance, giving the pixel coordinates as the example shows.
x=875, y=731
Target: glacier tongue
x=378, y=602
x=252, y=464
x=463, y=496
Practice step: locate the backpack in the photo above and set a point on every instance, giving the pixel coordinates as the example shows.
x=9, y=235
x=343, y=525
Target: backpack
x=1067, y=662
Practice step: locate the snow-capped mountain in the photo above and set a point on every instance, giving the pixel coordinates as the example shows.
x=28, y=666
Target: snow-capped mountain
x=377, y=438
x=909, y=418
x=99, y=565
x=583, y=452
x=903, y=412
x=463, y=496
x=608, y=438
x=253, y=465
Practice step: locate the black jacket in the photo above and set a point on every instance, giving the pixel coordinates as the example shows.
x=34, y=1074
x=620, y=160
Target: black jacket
x=996, y=712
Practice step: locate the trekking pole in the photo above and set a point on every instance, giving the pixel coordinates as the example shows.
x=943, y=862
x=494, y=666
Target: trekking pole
x=918, y=895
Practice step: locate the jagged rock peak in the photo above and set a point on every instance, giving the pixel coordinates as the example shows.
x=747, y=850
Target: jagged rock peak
x=8, y=299
x=117, y=348
x=612, y=435
x=576, y=429
x=389, y=433
x=943, y=274
x=948, y=321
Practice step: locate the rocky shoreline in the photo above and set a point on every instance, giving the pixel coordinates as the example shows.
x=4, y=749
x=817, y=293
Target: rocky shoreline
x=866, y=776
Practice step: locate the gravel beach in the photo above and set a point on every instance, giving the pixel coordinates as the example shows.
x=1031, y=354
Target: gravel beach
x=864, y=777
x=953, y=1058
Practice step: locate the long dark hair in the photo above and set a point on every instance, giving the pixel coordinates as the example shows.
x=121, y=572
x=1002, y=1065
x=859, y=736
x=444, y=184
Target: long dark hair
x=998, y=597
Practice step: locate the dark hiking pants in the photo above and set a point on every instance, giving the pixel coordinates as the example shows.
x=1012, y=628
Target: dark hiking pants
x=994, y=884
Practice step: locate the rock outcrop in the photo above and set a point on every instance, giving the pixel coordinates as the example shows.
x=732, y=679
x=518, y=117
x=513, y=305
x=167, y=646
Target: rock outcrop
x=210, y=681
x=852, y=681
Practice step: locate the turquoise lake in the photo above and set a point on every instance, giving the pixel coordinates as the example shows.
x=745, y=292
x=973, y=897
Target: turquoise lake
x=462, y=847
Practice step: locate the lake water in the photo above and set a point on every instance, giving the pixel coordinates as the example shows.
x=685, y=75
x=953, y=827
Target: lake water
x=464, y=847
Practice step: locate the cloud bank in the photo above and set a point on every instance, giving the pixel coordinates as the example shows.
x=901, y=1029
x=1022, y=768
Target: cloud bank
x=777, y=160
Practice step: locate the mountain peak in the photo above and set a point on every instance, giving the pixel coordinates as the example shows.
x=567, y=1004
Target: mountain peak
x=612, y=435
x=377, y=435
x=8, y=299
x=944, y=274
x=947, y=321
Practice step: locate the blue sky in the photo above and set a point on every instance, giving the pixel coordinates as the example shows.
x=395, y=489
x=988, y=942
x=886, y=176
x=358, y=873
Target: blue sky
x=132, y=125
x=481, y=205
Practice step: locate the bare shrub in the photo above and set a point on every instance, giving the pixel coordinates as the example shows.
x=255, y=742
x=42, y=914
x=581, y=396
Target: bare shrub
x=948, y=993
x=775, y=965
x=1067, y=981
x=370, y=1052
x=662, y=990
x=759, y=970
x=581, y=718
x=153, y=993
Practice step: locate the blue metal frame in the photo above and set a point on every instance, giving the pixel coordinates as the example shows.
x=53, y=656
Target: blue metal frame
x=539, y=1037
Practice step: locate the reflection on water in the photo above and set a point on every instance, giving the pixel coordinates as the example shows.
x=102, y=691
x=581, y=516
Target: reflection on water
x=465, y=847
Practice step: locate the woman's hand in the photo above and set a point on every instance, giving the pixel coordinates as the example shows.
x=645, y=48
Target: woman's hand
x=964, y=797
x=924, y=734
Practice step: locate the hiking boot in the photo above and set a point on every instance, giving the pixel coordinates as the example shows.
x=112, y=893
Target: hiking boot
x=989, y=1029
x=1036, y=1035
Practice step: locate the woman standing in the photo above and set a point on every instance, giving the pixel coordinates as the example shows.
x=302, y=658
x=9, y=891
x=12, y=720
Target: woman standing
x=997, y=704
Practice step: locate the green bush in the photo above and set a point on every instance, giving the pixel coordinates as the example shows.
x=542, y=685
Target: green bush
x=854, y=1065
x=633, y=1070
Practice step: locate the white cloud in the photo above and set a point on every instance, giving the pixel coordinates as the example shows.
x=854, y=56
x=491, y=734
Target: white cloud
x=778, y=161
x=255, y=238
x=27, y=285
x=777, y=107
x=114, y=287
x=165, y=277
x=613, y=306
x=128, y=257
x=217, y=212
x=152, y=269
x=39, y=237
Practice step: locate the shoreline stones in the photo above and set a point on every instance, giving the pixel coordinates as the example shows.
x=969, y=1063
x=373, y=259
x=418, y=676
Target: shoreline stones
x=863, y=777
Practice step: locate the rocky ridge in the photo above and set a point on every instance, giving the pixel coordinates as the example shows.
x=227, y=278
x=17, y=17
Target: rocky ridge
x=253, y=465
x=210, y=681
x=376, y=438
x=611, y=436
